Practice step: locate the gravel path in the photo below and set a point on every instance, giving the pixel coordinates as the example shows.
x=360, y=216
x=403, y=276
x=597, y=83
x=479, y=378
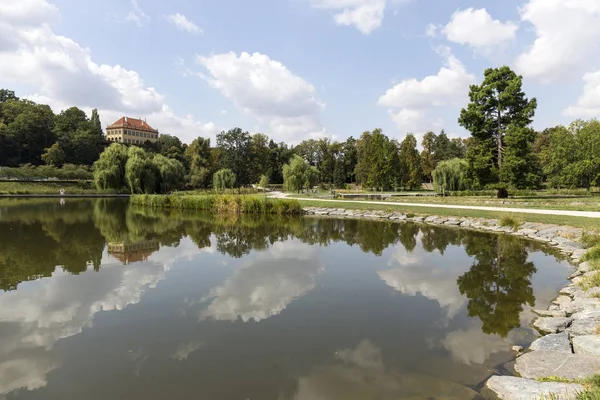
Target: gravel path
x=569, y=213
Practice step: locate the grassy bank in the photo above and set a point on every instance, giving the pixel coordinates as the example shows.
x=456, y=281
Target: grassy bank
x=579, y=222
x=45, y=187
x=221, y=203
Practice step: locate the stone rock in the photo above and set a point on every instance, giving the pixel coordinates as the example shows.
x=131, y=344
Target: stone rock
x=539, y=364
x=558, y=342
x=582, y=327
x=552, y=324
x=550, y=313
x=578, y=253
x=571, y=291
x=578, y=305
x=518, y=349
x=562, y=300
x=584, y=267
x=575, y=274
x=588, y=344
x=527, y=232
x=587, y=314
x=561, y=241
x=452, y=221
x=554, y=307
x=513, y=388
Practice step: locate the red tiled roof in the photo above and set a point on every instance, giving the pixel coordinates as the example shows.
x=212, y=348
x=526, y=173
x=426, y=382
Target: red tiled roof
x=132, y=123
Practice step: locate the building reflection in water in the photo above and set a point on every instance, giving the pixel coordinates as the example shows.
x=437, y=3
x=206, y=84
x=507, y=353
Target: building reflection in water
x=133, y=252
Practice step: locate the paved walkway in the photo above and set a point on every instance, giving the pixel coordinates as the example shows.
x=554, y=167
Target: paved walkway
x=569, y=213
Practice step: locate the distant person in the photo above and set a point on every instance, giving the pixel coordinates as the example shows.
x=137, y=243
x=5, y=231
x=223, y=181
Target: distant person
x=62, y=192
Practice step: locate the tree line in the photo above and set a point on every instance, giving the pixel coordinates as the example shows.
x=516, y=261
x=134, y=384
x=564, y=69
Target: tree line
x=502, y=152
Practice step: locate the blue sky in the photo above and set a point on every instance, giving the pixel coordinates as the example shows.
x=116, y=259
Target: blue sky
x=297, y=69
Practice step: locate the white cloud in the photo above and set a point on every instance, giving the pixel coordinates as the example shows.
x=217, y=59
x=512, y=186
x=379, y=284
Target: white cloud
x=267, y=286
x=63, y=305
x=588, y=104
x=409, y=100
x=61, y=72
x=137, y=15
x=432, y=30
x=267, y=90
x=567, y=42
x=477, y=29
x=365, y=15
x=184, y=24
x=472, y=346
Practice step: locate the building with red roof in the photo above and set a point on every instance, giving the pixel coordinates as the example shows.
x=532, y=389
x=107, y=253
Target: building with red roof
x=131, y=131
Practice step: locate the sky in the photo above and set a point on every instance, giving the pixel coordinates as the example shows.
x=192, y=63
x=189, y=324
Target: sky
x=298, y=69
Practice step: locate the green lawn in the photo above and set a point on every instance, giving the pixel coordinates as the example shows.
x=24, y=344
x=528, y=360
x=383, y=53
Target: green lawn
x=75, y=187
x=579, y=222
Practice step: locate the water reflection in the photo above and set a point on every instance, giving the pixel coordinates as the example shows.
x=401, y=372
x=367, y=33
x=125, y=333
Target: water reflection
x=282, y=302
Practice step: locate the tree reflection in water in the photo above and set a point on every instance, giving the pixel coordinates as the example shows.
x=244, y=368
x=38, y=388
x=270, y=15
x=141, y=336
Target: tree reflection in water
x=38, y=236
x=499, y=282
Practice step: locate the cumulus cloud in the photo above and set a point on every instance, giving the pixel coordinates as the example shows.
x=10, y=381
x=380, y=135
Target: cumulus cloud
x=438, y=284
x=63, y=73
x=472, y=346
x=477, y=29
x=588, y=104
x=183, y=23
x=409, y=101
x=364, y=15
x=567, y=39
x=267, y=286
x=267, y=90
x=63, y=305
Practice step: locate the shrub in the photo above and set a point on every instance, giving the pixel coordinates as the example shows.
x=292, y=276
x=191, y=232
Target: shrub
x=592, y=254
x=510, y=221
x=589, y=239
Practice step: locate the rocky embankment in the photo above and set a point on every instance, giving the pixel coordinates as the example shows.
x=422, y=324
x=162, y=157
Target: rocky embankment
x=570, y=348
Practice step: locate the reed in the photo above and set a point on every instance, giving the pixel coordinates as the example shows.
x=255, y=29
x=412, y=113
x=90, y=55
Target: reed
x=220, y=203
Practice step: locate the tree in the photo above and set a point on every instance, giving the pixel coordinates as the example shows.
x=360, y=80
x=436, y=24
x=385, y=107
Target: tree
x=428, y=163
x=140, y=172
x=259, y=155
x=377, y=165
x=171, y=173
x=309, y=150
x=54, y=155
x=410, y=163
x=264, y=182
x=298, y=173
x=109, y=170
x=279, y=154
x=224, y=179
x=498, y=284
x=450, y=175
x=520, y=167
x=6, y=95
x=199, y=157
x=236, y=154
x=495, y=105
x=96, y=124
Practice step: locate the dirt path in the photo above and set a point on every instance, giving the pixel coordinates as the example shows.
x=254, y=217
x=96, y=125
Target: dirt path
x=569, y=213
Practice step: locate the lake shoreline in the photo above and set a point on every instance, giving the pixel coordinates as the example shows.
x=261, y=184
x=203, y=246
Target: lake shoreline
x=64, y=196
x=569, y=346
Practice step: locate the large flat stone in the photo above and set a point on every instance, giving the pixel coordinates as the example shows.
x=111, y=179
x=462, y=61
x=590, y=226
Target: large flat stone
x=550, y=313
x=578, y=305
x=562, y=300
x=589, y=344
x=582, y=327
x=552, y=324
x=513, y=388
x=539, y=364
x=558, y=342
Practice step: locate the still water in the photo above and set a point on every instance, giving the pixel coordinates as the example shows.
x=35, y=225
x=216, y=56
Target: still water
x=99, y=300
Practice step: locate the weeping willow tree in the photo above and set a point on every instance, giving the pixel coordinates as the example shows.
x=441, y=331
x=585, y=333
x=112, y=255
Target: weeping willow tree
x=450, y=175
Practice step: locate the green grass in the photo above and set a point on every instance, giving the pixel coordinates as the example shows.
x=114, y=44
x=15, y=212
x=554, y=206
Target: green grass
x=44, y=187
x=510, y=221
x=578, y=222
x=220, y=203
x=590, y=238
x=592, y=254
x=591, y=387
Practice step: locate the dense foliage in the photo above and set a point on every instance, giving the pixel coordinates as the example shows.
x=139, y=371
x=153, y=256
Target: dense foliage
x=503, y=151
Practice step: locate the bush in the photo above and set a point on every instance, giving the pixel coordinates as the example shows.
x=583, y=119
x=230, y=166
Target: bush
x=510, y=221
x=589, y=239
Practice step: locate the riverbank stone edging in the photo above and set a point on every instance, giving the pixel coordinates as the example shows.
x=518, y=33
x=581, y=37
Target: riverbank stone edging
x=569, y=348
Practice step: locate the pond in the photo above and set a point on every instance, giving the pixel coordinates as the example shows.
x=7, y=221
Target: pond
x=99, y=300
